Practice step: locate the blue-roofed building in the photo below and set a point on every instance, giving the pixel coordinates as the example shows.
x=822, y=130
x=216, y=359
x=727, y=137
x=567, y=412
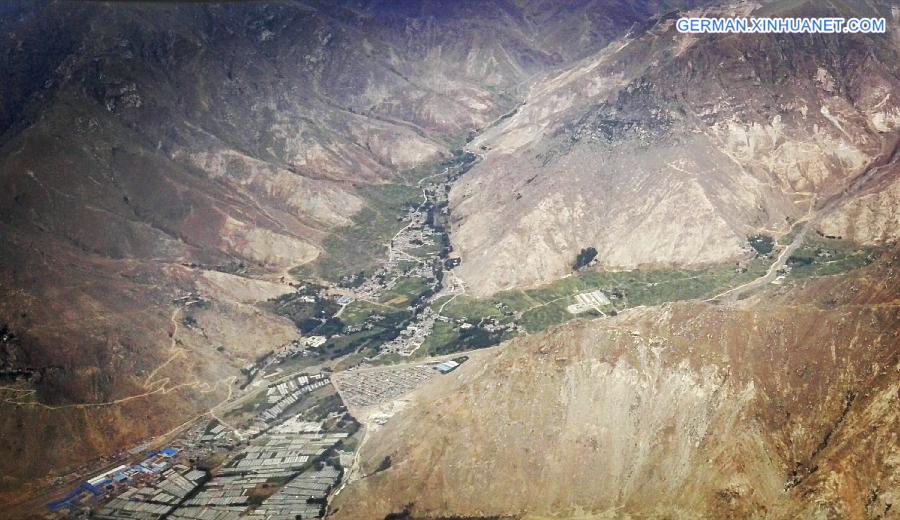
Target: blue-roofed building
x=168, y=452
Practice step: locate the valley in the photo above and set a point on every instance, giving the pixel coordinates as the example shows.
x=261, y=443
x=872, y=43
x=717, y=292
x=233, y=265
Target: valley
x=447, y=260
x=370, y=338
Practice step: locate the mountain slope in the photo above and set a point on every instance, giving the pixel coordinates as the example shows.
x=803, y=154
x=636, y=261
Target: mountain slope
x=668, y=149
x=149, y=149
x=784, y=406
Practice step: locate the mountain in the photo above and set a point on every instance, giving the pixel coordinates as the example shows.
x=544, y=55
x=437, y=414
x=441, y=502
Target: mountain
x=783, y=406
x=163, y=166
x=668, y=149
x=175, y=178
x=663, y=152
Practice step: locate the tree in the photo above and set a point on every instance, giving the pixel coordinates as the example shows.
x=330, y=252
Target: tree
x=584, y=258
x=763, y=244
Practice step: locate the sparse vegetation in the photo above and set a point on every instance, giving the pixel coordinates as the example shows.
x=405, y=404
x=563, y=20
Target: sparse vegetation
x=790, y=235
x=249, y=407
x=821, y=256
x=357, y=248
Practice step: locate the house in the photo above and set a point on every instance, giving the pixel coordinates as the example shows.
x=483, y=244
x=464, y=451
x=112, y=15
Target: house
x=168, y=452
x=315, y=341
x=446, y=367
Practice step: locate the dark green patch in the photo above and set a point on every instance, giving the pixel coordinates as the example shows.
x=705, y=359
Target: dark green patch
x=305, y=314
x=821, y=256
x=584, y=257
x=763, y=244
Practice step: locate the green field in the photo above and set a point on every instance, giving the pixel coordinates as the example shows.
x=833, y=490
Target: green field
x=427, y=249
x=441, y=339
x=406, y=290
x=819, y=256
x=359, y=311
x=465, y=307
x=541, y=307
x=539, y=318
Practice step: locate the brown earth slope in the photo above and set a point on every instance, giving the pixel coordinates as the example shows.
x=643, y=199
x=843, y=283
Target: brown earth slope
x=783, y=406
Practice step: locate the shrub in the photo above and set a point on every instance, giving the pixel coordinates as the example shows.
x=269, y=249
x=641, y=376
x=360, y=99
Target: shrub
x=584, y=258
x=763, y=244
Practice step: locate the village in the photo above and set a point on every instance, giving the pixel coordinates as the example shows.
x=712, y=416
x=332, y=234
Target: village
x=279, y=458
x=367, y=387
x=280, y=454
x=281, y=447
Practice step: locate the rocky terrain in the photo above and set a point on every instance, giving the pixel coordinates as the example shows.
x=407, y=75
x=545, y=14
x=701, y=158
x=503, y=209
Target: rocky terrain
x=783, y=406
x=166, y=168
x=689, y=143
x=163, y=165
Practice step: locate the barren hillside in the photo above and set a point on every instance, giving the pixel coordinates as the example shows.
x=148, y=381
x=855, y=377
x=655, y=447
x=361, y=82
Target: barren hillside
x=668, y=149
x=785, y=406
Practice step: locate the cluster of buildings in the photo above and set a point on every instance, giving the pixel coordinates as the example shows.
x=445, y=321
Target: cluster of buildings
x=281, y=396
x=298, y=347
x=303, y=497
x=288, y=350
x=584, y=302
x=401, y=263
x=153, y=500
x=217, y=435
x=157, y=469
x=416, y=234
x=297, y=384
x=274, y=455
x=282, y=466
x=279, y=475
x=367, y=387
x=412, y=337
x=374, y=287
x=205, y=439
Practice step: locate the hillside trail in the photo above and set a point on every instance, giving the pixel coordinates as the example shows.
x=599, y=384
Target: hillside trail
x=152, y=384
x=883, y=165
